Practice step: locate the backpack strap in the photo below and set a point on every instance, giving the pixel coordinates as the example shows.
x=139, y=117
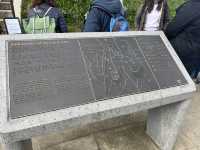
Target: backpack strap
x=33, y=28
x=34, y=9
x=45, y=18
x=33, y=23
x=48, y=11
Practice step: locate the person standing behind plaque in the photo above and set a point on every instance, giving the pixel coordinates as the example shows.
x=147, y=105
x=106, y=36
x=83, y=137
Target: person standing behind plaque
x=102, y=14
x=184, y=35
x=152, y=16
x=42, y=9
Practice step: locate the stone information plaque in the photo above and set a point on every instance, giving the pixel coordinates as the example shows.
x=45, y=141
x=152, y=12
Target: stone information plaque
x=47, y=75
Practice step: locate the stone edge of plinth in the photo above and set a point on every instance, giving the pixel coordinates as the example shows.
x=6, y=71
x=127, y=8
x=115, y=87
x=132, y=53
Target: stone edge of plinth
x=26, y=127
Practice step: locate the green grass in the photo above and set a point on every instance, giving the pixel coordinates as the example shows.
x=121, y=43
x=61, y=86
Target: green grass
x=74, y=10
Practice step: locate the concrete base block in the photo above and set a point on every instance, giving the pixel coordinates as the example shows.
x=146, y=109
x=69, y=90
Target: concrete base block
x=75, y=133
x=163, y=123
x=22, y=145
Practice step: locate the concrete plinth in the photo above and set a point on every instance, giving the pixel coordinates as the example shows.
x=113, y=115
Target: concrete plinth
x=163, y=123
x=167, y=105
x=22, y=145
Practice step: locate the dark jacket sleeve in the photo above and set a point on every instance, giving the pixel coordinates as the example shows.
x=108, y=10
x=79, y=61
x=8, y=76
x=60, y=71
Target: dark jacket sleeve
x=183, y=17
x=166, y=16
x=61, y=23
x=138, y=18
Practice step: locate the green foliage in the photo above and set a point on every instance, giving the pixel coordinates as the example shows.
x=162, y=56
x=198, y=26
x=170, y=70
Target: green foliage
x=132, y=6
x=25, y=7
x=74, y=10
x=174, y=4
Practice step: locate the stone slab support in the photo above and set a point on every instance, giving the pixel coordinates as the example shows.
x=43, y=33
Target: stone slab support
x=21, y=145
x=163, y=123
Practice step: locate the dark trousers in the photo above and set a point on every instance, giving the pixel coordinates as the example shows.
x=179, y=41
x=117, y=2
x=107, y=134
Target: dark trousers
x=192, y=65
x=97, y=21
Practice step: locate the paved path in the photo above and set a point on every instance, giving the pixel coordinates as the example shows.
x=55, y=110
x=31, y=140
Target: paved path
x=129, y=136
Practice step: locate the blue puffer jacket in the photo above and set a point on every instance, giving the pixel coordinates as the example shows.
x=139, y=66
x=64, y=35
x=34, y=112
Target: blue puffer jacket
x=61, y=25
x=98, y=19
x=112, y=6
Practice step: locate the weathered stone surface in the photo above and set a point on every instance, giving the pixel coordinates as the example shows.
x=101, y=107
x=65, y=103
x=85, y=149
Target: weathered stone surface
x=5, y=13
x=188, y=138
x=6, y=0
x=21, y=145
x=5, y=5
x=86, y=143
x=163, y=123
x=125, y=138
x=75, y=133
x=184, y=142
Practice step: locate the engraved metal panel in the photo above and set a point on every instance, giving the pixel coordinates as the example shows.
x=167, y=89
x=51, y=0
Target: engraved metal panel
x=45, y=76
x=160, y=61
x=117, y=67
x=48, y=75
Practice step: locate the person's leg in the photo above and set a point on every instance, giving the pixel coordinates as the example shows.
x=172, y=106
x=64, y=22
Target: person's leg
x=198, y=71
x=191, y=69
x=198, y=78
x=194, y=65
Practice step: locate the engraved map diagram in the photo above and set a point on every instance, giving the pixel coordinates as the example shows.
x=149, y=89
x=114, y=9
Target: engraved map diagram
x=48, y=75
